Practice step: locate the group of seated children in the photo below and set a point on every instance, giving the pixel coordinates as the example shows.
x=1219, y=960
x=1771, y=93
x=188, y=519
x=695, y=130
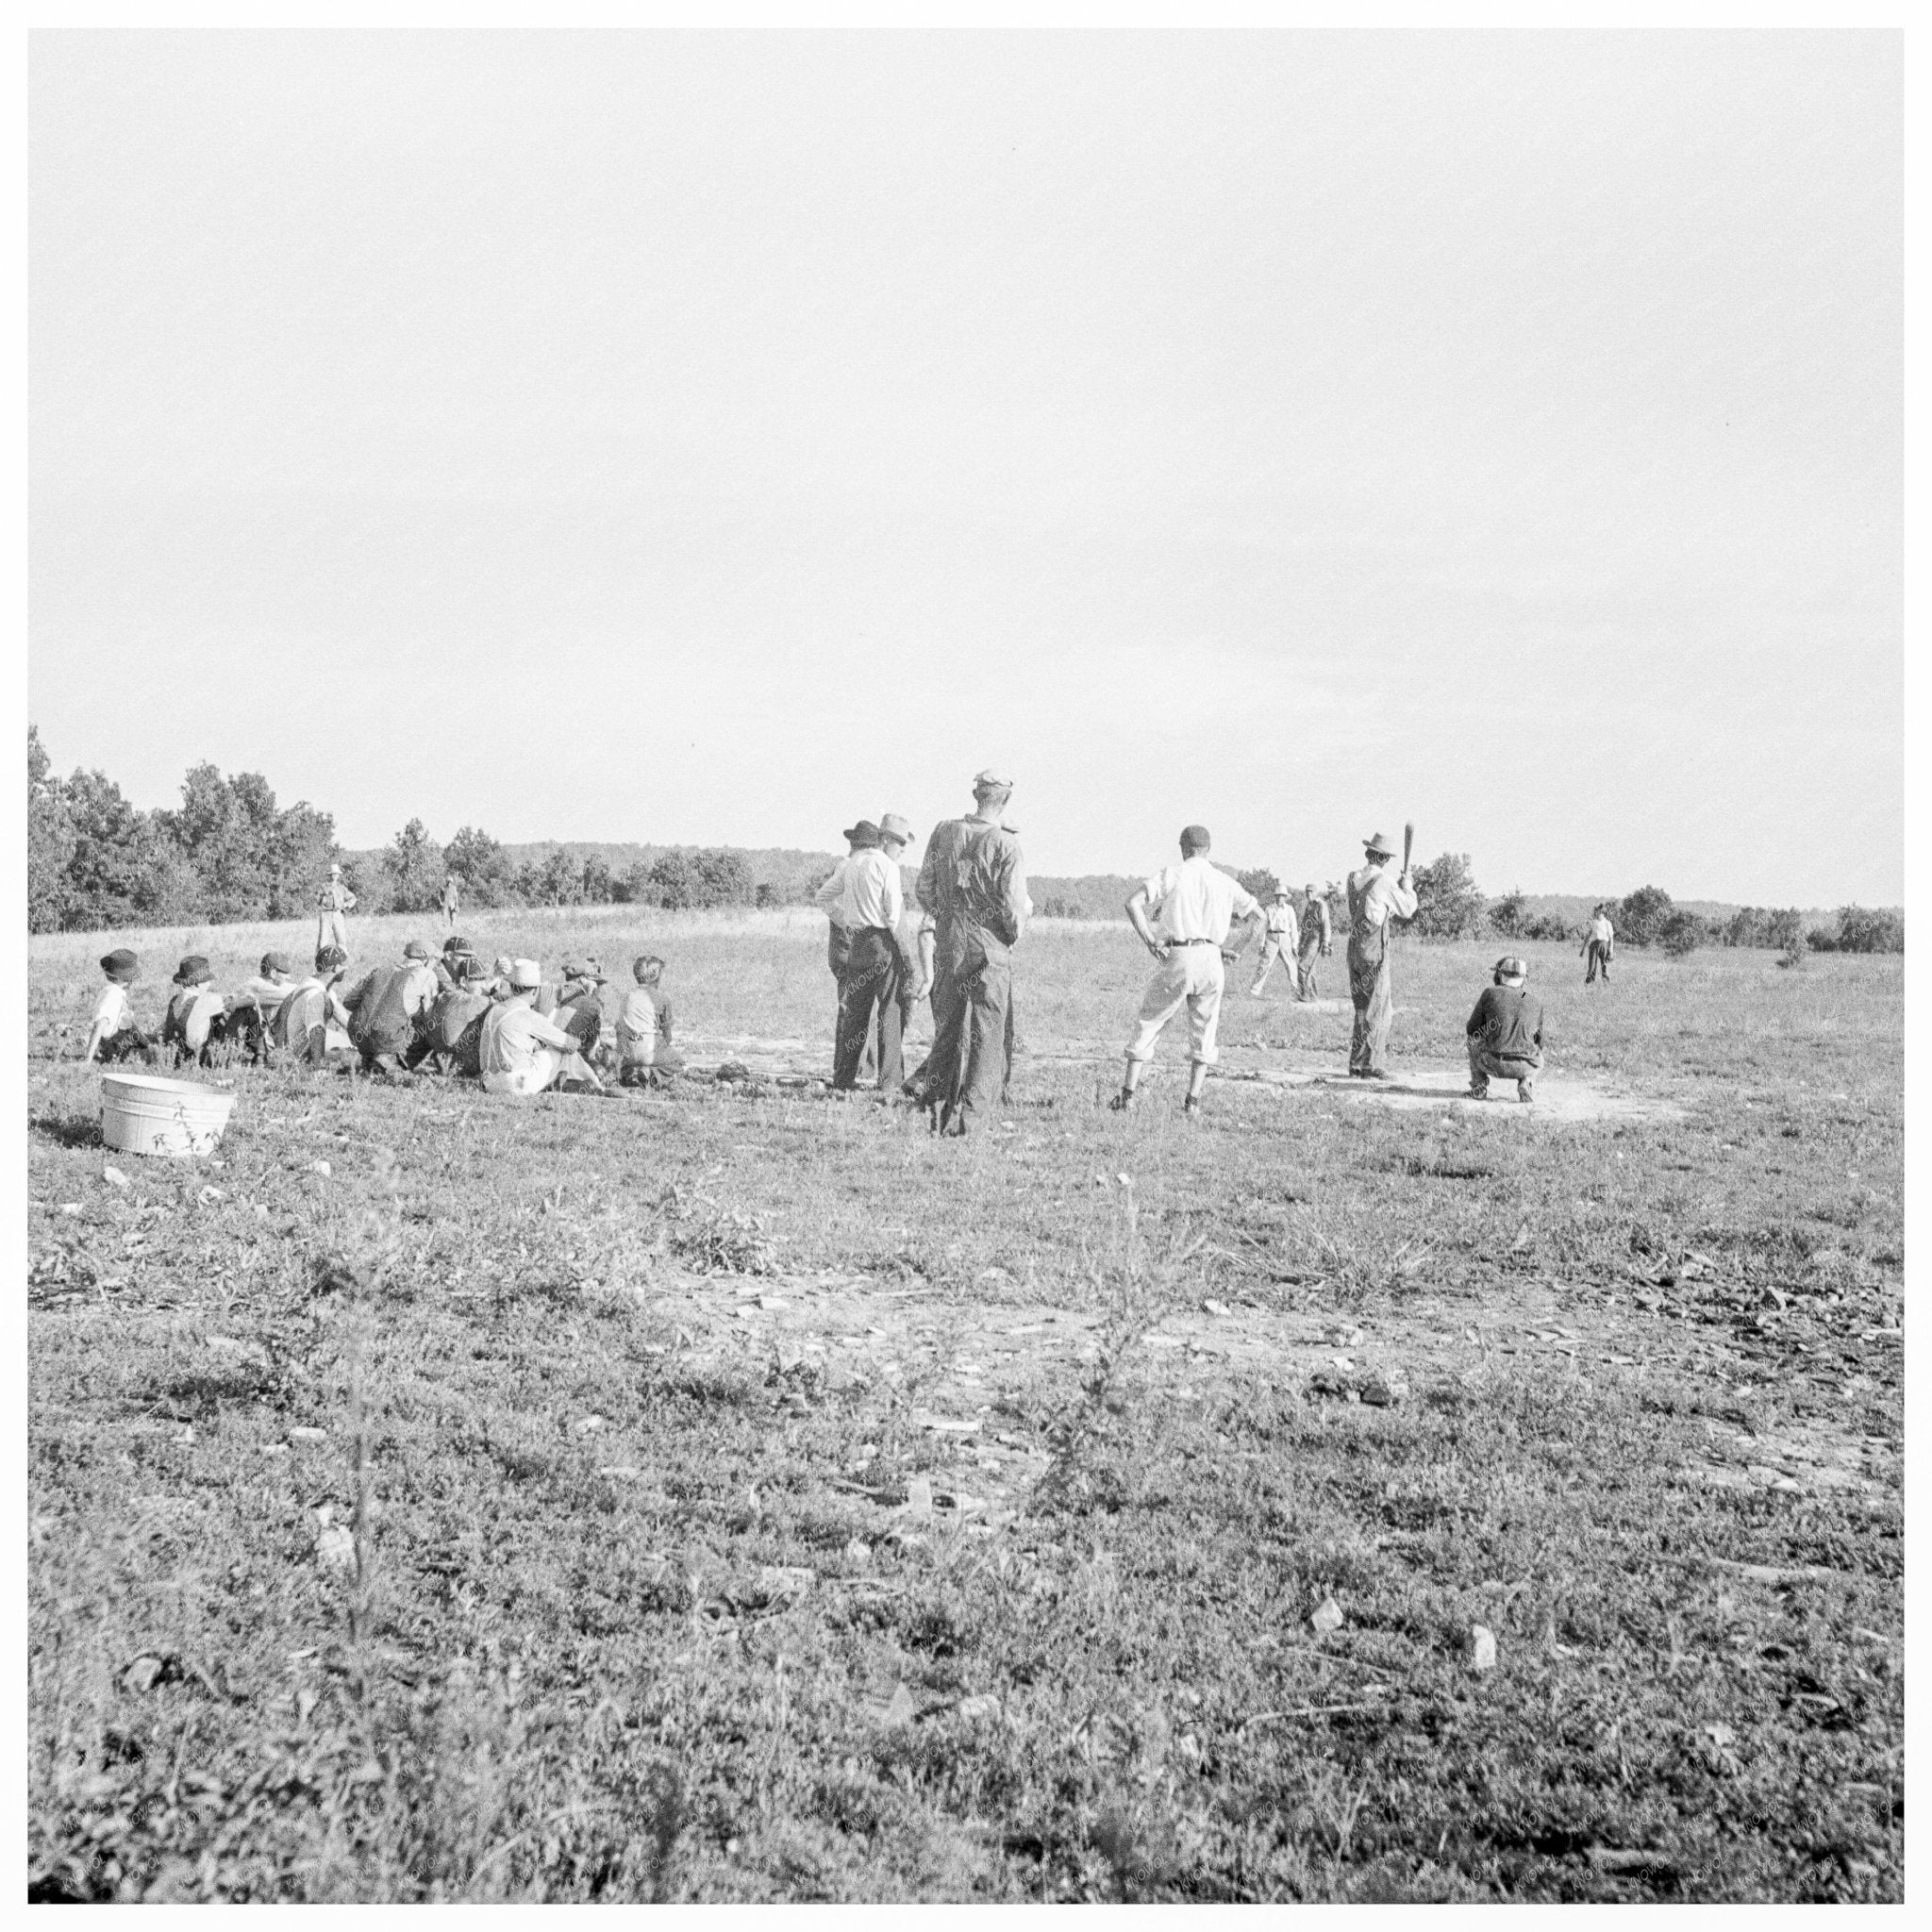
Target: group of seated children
x=503, y=1025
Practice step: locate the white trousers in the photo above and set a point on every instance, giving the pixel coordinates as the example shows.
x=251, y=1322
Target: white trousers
x=1190, y=977
x=544, y=1065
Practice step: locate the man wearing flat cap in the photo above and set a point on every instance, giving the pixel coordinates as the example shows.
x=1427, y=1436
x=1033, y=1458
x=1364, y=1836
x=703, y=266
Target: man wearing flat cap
x=869, y=906
x=974, y=883
x=387, y=1009
x=1375, y=895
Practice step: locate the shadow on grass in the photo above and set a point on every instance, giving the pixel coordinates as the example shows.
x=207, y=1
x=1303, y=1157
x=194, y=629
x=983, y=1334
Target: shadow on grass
x=69, y=1129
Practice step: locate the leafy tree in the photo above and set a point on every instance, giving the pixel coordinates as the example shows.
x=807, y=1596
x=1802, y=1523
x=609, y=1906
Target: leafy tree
x=596, y=885
x=673, y=881
x=723, y=878
x=1863, y=930
x=1508, y=913
x=1641, y=916
x=124, y=870
x=556, y=879
x=1260, y=881
x=489, y=877
x=1448, y=906
x=1784, y=931
x=305, y=843
x=49, y=841
x=415, y=869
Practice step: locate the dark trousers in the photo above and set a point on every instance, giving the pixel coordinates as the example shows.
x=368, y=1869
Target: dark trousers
x=1369, y=987
x=972, y=1003
x=130, y=1043
x=1599, y=957
x=869, y=1007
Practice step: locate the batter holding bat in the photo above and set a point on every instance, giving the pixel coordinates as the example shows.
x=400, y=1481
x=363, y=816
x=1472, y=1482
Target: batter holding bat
x=1375, y=894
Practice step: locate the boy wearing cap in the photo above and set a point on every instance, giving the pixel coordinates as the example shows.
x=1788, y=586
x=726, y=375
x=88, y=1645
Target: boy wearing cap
x=387, y=1008
x=194, y=1023
x=870, y=905
x=974, y=883
x=113, y=1035
x=1506, y=1033
x=1317, y=942
x=312, y=1010
x=523, y=1051
x=1277, y=942
x=251, y=1012
x=578, y=1009
x=1194, y=904
x=1375, y=895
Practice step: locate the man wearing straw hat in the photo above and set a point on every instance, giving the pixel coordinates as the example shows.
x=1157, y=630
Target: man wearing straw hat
x=1277, y=942
x=871, y=906
x=830, y=900
x=1374, y=896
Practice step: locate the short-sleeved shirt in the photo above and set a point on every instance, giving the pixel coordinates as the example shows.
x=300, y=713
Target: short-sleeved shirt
x=636, y=1027
x=1508, y=1019
x=110, y=1014
x=1196, y=900
x=512, y=1032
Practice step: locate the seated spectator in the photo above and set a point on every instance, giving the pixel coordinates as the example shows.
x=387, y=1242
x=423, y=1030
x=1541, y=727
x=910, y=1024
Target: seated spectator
x=523, y=1051
x=113, y=1035
x=452, y=1038
x=644, y=1057
x=194, y=1025
x=312, y=1023
x=448, y=968
x=580, y=1004
x=387, y=1008
x=1506, y=1033
x=251, y=1012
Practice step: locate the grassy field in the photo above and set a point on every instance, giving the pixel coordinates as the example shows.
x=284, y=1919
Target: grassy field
x=730, y=1493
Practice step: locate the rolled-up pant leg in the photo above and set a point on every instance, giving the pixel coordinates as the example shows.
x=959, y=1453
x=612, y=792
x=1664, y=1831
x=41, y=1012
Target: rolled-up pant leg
x=1369, y=988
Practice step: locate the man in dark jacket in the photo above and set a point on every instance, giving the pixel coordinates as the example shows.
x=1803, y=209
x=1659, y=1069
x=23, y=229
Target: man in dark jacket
x=386, y=1006
x=1506, y=1033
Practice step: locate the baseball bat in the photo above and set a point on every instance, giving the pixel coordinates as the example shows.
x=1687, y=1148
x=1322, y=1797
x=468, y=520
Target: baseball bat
x=1408, y=842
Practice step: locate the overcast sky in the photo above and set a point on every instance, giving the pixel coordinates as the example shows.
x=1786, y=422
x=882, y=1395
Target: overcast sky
x=713, y=438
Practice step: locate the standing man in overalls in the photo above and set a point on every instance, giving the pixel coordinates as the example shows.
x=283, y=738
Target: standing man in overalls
x=974, y=883
x=1375, y=895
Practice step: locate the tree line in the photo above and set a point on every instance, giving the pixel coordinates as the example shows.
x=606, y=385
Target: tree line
x=230, y=852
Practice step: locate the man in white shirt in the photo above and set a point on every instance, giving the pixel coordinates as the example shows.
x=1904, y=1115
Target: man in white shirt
x=1193, y=906
x=522, y=1052
x=1599, y=942
x=1279, y=942
x=829, y=899
x=112, y=1034
x=870, y=904
x=251, y=1012
x=1374, y=896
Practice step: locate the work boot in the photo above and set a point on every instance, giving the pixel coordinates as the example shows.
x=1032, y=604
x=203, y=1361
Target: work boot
x=1376, y=1074
x=1478, y=1090
x=1525, y=1089
x=1124, y=1101
x=1191, y=1108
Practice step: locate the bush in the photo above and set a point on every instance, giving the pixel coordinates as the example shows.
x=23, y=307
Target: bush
x=1260, y=881
x=1680, y=934
x=1449, y=906
x=1507, y=915
x=1641, y=918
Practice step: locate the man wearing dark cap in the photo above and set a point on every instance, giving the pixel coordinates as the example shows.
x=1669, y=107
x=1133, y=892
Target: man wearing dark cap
x=387, y=1008
x=451, y=1035
x=1191, y=906
x=974, y=883
x=251, y=1012
x=1506, y=1033
x=1375, y=895
x=579, y=1009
